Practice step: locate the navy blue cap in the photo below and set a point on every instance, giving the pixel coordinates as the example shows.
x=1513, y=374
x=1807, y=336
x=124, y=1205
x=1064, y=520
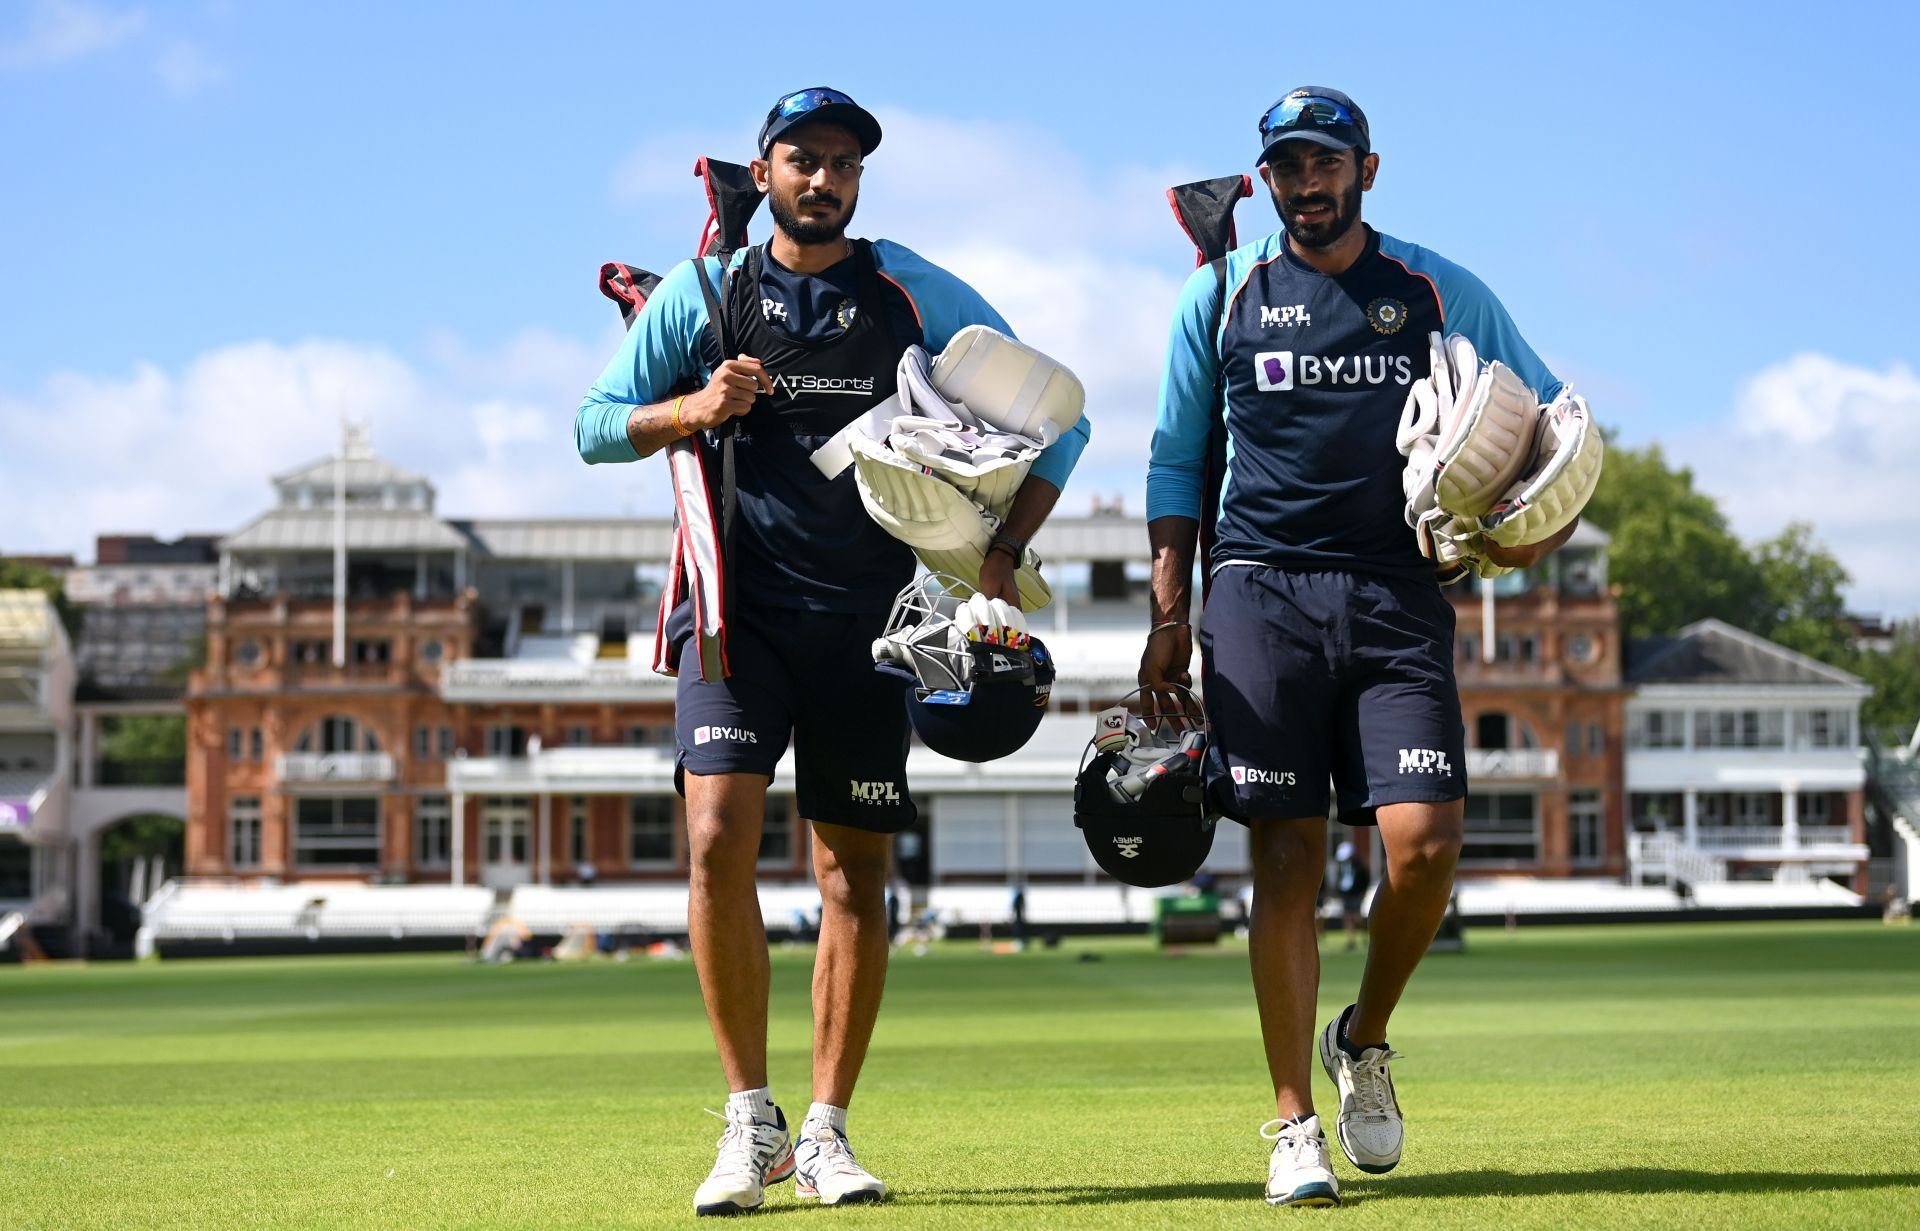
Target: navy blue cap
x=1315, y=113
x=820, y=105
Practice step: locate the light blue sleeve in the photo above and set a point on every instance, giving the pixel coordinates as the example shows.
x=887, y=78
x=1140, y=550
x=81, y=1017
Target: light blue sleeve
x=946, y=305
x=1469, y=308
x=662, y=348
x=1177, y=461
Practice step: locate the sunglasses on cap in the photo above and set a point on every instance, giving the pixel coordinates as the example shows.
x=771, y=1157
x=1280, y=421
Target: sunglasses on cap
x=1310, y=111
x=802, y=101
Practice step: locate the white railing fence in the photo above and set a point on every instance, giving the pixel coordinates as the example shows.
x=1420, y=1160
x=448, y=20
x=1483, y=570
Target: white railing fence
x=1666, y=858
x=335, y=767
x=1730, y=837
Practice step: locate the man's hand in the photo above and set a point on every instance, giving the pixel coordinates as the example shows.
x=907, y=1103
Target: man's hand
x=1167, y=662
x=996, y=578
x=730, y=394
x=1526, y=554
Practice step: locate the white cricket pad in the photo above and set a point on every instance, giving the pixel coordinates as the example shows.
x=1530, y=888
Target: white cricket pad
x=1008, y=384
x=1568, y=457
x=1467, y=431
x=947, y=531
x=988, y=470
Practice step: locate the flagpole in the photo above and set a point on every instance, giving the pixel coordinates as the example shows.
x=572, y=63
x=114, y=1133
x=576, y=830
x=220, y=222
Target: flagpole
x=1486, y=620
x=340, y=550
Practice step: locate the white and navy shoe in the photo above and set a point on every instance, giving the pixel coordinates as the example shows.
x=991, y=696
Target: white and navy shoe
x=753, y=1154
x=1300, y=1173
x=826, y=1168
x=1369, y=1126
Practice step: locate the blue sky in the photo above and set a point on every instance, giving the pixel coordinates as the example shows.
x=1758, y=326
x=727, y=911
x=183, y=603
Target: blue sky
x=226, y=224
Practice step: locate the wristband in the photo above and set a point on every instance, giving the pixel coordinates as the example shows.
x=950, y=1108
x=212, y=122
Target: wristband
x=1006, y=545
x=675, y=417
x=1166, y=624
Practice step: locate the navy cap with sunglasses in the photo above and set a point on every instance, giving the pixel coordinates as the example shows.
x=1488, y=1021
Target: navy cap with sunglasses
x=1315, y=113
x=815, y=106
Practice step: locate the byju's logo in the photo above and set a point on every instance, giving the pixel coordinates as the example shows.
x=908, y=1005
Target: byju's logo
x=1247, y=775
x=1279, y=371
x=1273, y=371
x=1424, y=761
x=730, y=735
x=1284, y=318
x=875, y=793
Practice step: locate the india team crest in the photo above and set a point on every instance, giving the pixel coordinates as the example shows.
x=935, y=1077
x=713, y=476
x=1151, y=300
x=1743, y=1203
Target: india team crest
x=1386, y=315
x=844, y=314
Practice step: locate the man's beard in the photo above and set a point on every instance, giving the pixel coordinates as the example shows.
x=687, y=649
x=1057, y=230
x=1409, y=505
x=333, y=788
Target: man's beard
x=1346, y=212
x=805, y=231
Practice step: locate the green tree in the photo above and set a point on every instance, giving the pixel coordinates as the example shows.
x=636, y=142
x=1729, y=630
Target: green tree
x=1673, y=556
x=145, y=737
x=139, y=836
x=20, y=575
x=1803, y=607
x=1894, y=706
x=143, y=750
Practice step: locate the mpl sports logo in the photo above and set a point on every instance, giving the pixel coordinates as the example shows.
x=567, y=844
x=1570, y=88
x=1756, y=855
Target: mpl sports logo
x=729, y=735
x=1247, y=775
x=875, y=792
x=1425, y=761
x=796, y=384
x=1290, y=317
x=1277, y=371
x=773, y=309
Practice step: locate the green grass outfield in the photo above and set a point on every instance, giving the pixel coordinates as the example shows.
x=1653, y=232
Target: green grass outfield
x=1735, y=1075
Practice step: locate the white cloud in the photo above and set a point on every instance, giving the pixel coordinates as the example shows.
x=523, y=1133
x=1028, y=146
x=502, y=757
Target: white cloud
x=59, y=31
x=192, y=449
x=187, y=68
x=1815, y=439
x=660, y=169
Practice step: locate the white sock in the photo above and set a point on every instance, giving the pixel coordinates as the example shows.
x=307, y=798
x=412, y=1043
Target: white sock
x=833, y=1117
x=751, y=1105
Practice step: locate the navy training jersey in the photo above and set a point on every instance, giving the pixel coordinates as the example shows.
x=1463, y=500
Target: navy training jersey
x=820, y=307
x=800, y=547
x=1317, y=371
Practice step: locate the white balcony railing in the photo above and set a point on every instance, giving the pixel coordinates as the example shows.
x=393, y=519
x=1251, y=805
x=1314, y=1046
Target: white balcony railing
x=1761, y=837
x=336, y=767
x=1513, y=762
x=501, y=679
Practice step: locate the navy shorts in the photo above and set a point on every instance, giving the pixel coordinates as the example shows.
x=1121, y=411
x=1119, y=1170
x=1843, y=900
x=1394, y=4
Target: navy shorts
x=806, y=676
x=1318, y=674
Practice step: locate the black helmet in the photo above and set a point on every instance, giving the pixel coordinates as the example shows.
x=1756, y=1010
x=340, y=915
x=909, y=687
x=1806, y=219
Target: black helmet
x=1140, y=798
x=972, y=700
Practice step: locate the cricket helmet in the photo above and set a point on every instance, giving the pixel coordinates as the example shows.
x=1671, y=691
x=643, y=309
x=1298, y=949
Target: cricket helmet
x=977, y=681
x=1140, y=797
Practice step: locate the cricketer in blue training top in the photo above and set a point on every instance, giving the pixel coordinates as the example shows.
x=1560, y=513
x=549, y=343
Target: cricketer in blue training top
x=1328, y=647
x=819, y=322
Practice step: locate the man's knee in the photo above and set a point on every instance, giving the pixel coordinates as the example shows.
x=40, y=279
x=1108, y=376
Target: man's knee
x=1289, y=855
x=1428, y=850
x=720, y=847
x=852, y=872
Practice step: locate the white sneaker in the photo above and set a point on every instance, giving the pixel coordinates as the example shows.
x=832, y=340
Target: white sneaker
x=1369, y=1126
x=1300, y=1173
x=753, y=1154
x=826, y=1168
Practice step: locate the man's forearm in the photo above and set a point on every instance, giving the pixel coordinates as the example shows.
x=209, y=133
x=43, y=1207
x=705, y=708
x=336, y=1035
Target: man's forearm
x=1031, y=505
x=650, y=428
x=1172, y=541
